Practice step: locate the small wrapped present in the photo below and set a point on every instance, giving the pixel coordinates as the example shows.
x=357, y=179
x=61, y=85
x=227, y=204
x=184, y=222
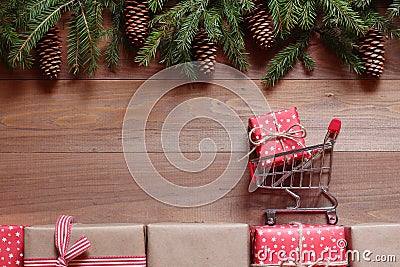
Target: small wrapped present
x=374, y=245
x=69, y=244
x=198, y=244
x=298, y=245
x=11, y=245
x=275, y=133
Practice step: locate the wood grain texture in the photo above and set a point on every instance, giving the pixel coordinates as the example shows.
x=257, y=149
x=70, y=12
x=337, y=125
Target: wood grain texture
x=87, y=116
x=61, y=142
x=97, y=187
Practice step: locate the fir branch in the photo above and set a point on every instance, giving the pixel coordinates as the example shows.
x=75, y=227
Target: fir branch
x=339, y=13
x=83, y=51
x=231, y=34
x=156, y=5
x=211, y=23
x=307, y=16
x=344, y=49
x=33, y=8
x=307, y=61
x=149, y=50
x=394, y=9
x=290, y=14
x=115, y=38
x=363, y=4
x=234, y=48
x=275, y=9
x=375, y=20
x=167, y=54
x=172, y=32
x=231, y=13
x=285, y=60
x=187, y=31
x=19, y=54
x=8, y=31
x=74, y=56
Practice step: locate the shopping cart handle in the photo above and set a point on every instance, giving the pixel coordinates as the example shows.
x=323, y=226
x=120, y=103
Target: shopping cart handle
x=334, y=126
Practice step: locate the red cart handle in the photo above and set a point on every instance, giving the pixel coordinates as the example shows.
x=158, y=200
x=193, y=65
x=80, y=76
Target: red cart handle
x=334, y=126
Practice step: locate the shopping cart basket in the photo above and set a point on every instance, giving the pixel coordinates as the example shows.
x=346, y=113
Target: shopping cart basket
x=312, y=171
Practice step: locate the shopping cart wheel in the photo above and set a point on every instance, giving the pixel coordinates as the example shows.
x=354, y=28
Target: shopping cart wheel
x=270, y=217
x=332, y=217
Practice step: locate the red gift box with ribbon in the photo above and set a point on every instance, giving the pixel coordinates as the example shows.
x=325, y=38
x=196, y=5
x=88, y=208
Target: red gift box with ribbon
x=11, y=245
x=298, y=245
x=275, y=133
x=117, y=245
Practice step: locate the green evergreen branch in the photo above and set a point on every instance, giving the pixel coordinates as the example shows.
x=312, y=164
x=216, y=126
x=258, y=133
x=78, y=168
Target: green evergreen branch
x=338, y=12
x=361, y=3
x=149, y=50
x=20, y=52
x=308, y=16
x=308, y=62
x=275, y=10
x=234, y=48
x=285, y=60
x=375, y=20
x=74, y=55
x=89, y=42
x=290, y=13
x=211, y=23
x=33, y=8
x=188, y=30
x=156, y=5
x=115, y=38
x=394, y=9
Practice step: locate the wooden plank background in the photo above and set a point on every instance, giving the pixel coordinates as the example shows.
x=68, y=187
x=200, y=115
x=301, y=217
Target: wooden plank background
x=61, y=144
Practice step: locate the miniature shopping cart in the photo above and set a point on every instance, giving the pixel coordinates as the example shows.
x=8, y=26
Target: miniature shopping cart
x=311, y=171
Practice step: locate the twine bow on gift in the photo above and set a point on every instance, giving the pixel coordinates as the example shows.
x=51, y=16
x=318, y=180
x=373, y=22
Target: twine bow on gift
x=70, y=257
x=62, y=238
x=289, y=133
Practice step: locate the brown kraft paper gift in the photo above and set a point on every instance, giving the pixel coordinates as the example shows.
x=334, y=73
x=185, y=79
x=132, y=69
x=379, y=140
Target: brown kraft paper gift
x=122, y=243
x=198, y=244
x=374, y=245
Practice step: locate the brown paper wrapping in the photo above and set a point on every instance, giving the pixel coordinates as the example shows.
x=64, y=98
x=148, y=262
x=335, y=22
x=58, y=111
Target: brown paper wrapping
x=379, y=239
x=106, y=240
x=198, y=244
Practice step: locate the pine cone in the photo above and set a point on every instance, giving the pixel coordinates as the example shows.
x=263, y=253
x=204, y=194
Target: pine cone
x=48, y=53
x=372, y=51
x=137, y=18
x=204, y=50
x=260, y=26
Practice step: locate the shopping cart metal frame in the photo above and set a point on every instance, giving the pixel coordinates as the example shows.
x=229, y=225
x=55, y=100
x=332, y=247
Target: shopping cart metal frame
x=312, y=172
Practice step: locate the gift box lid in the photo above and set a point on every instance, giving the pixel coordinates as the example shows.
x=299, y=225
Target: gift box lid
x=105, y=239
x=198, y=244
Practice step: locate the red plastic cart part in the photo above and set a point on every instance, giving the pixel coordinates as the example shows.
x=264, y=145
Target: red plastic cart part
x=334, y=126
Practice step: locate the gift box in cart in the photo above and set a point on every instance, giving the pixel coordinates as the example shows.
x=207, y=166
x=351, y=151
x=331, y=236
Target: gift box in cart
x=305, y=168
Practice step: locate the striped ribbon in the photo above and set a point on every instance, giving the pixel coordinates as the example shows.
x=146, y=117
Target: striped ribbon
x=128, y=261
x=67, y=257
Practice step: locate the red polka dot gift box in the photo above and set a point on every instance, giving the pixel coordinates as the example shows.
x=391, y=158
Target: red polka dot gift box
x=275, y=133
x=11, y=245
x=298, y=245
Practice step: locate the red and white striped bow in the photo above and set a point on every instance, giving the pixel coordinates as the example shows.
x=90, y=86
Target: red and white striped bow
x=62, y=238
